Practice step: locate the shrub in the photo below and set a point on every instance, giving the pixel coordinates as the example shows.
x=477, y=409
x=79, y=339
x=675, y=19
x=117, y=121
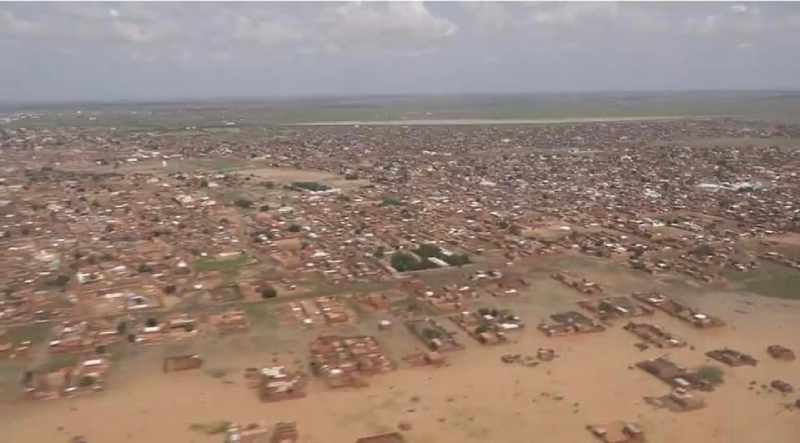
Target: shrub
x=391, y=201
x=268, y=292
x=428, y=250
x=243, y=203
x=711, y=374
x=59, y=281
x=431, y=334
x=310, y=186
x=86, y=381
x=213, y=427
x=404, y=262
x=457, y=259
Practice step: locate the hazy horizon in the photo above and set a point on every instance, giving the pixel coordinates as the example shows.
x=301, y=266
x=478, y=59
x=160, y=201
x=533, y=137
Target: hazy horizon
x=388, y=97
x=92, y=52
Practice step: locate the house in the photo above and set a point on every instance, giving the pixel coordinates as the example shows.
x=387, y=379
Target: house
x=252, y=433
x=781, y=353
x=618, y=432
x=672, y=374
x=655, y=335
x=258, y=433
x=343, y=361
x=731, y=357
x=182, y=363
x=391, y=437
x=681, y=400
x=570, y=322
x=284, y=432
x=276, y=383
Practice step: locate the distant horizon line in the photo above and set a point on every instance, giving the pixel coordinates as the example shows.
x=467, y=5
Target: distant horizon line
x=332, y=96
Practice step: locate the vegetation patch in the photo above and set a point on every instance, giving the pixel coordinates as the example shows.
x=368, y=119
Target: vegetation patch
x=35, y=333
x=59, y=361
x=770, y=280
x=260, y=314
x=404, y=262
x=429, y=250
x=211, y=427
x=218, y=372
x=711, y=374
x=206, y=264
x=309, y=186
x=391, y=201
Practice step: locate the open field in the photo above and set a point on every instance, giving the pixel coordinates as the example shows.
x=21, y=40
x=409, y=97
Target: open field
x=772, y=280
x=486, y=121
x=226, y=116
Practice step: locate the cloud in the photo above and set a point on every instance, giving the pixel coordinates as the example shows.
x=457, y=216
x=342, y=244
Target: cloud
x=390, y=26
x=11, y=24
x=491, y=17
x=740, y=9
x=133, y=32
x=82, y=23
x=702, y=25
x=265, y=31
x=344, y=47
x=567, y=14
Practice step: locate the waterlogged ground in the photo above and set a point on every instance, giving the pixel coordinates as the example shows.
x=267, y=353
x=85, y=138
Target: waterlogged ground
x=474, y=399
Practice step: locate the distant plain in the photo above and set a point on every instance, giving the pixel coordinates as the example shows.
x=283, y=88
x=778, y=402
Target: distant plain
x=229, y=114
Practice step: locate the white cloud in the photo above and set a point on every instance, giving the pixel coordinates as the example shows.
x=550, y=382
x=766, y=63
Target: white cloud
x=265, y=31
x=792, y=21
x=702, y=25
x=133, y=32
x=384, y=26
x=524, y=43
x=491, y=17
x=739, y=9
x=603, y=15
x=12, y=24
x=567, y=14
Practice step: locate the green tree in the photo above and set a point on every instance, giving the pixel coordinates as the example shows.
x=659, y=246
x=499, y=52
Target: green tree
x=243, y=203
x=711, y=374
x=457, y=260
x=428, y=250
x=268, y=291
x=391, y=201
x=404, y=262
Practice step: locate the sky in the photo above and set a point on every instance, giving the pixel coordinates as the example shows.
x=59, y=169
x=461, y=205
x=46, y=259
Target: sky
x=163, y=51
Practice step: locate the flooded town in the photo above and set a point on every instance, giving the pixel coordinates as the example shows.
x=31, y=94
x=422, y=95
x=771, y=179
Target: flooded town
x=156, y=279
x=399, y=222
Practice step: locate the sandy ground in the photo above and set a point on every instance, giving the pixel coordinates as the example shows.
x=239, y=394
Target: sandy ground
x=475, y=399
x=288, y=175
